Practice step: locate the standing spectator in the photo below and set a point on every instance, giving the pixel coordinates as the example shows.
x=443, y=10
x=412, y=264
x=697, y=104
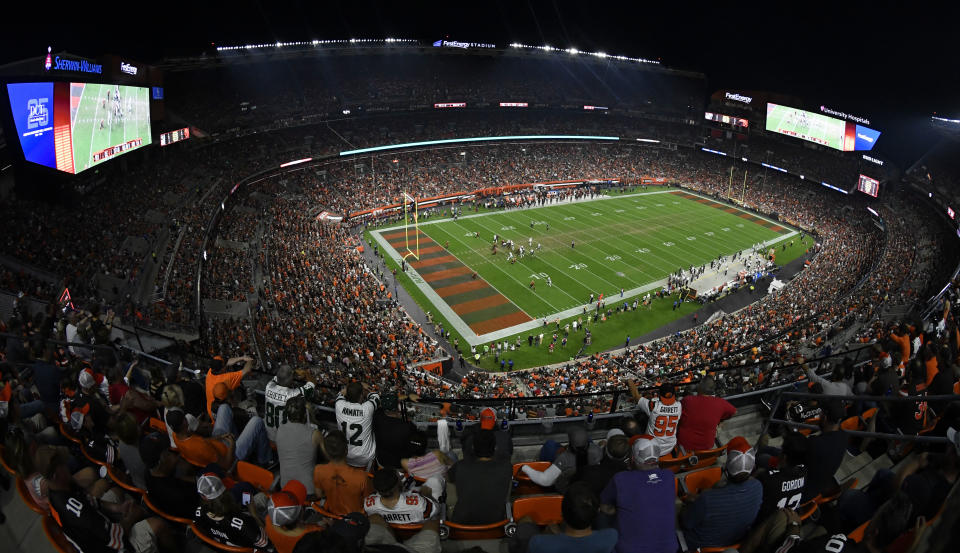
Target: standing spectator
x=488, y=421
x=355, y=419
x=579, y=509
x=297, y=443
x=697, y=430
x=344, y=487
x=663, y=414
x=483, y=484
x=643, y=501
x=128, y=450
x=825, y=451
x=393, y=434
x=230, y=380
x=721, y=516
x=219, y=516
x=276, y=395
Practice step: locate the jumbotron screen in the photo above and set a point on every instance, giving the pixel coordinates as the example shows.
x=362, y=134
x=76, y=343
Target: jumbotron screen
x=845, y=136
x=868, y=186
x=72, y=127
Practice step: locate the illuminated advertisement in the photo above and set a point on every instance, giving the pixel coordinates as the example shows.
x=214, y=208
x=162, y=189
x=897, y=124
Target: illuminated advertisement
x=74, y=126
x=450, y=105
x=168, y=138
x=845, y=136
x=726, y=119
x=868, y=186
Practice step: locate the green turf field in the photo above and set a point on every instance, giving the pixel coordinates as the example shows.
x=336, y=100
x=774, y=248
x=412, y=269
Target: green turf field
x=92, y=104
x=631, y=242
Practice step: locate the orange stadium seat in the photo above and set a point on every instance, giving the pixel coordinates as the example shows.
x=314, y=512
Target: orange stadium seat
x=524, y=485
x=157, y=425
x=705, y=458
x=121, y=479
x=543, y=509
x=697, y=481
x=833, y=494
x=455, y=531
x=857, y=534
x=261, y=478
x=675, y=464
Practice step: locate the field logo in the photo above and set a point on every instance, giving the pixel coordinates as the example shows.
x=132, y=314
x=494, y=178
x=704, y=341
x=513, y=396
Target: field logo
x=47, y=62
x=38, y=115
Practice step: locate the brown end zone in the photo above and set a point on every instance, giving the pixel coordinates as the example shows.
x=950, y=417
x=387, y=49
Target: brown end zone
x=504, y=321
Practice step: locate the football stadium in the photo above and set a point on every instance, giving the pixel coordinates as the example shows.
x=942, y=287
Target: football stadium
x=476, y=291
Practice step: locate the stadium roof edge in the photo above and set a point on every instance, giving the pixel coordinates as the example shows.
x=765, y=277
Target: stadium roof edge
x=280, y=54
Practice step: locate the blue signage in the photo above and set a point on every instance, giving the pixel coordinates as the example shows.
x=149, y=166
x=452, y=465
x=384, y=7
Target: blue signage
x=866, y=138
x=32, y=108
x=157, y=92
x=79, y=66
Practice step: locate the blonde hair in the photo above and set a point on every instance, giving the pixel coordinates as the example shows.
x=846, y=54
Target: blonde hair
x=172, y=396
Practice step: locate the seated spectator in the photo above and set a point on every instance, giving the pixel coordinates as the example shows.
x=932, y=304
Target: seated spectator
x=219, y=516
x=488, y=421
x=198, y=450
x=284, y=523
x=297, y=442
x=643, y=501
x=702, y=413
x=355, y=533
x=579, y=508
x=91, y=527
x=128, y=451
x=579, y=454
x=825, y=451
x=432, y=464
x=342, y=487
x=173, y=494
x=398, y=507
x=721, y=516
x=483, y=484
x=782, y=490
x=616, y=458
x=892, y=519
x=172, y=399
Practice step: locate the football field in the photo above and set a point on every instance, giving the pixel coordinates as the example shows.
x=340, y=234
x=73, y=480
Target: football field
x=100, y=122
x=627, y=243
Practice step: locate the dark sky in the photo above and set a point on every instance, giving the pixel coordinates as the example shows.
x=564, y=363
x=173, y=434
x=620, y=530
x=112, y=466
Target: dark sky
x=892, y=62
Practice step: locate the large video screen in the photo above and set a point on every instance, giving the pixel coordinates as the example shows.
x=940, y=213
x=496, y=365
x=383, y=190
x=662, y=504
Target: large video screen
x=827, y=131
x=868, y=186
x=72, y=127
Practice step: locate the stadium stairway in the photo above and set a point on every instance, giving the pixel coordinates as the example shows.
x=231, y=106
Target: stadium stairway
x=23, y=531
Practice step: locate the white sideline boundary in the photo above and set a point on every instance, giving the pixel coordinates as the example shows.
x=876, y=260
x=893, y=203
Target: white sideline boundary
x=471, y=337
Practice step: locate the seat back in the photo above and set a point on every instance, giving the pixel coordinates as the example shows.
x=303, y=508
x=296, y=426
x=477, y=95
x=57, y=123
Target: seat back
x=67, y=433
x=163, y=514
x=491, y=531
x=121, y=479
x=543, y=509
x=56, y=536
x=260, y=478
x=217, y=546
x=869, y=413
x=857, y=534
x=674, y=464
x=525, y=486
x=807, y=509
x=718, y=549
x=704, y=479
x=852, y=423
x=704, y=458
x=157, y=425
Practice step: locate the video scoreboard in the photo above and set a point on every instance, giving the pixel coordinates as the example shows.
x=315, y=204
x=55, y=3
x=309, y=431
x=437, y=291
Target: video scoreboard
x=845, y=136
x=169, y=138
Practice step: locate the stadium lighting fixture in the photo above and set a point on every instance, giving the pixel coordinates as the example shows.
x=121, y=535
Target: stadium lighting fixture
x=650, y=140
x=573, y=51
x=296, y=162
x=478, y=139
x=601, y=54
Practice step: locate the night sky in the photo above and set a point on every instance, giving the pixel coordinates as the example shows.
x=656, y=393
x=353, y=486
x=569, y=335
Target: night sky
x=894, y=63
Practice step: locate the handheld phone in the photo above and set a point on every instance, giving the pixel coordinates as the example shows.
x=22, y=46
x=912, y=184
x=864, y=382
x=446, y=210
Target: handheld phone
x=246, y=498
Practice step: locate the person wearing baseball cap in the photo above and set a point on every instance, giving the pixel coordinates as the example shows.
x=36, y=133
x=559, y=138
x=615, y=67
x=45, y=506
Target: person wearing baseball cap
x=488, y=421
x=721, y=516
x=220, y=518
x=643, y=501
x=284, y=523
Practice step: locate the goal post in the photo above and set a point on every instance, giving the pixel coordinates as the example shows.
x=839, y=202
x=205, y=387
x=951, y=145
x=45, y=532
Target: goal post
x=411, y=227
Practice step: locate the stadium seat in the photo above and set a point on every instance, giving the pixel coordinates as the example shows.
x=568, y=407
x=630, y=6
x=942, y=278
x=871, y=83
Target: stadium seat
x=260, y=478
x=3, y=461
x=543, y=509
x=121, y=479
x=454, y=531
x=90, y=457
x=857, y=534
x=318, y=507
x=834, y=493
x=697, y=481
x=524, y=485
x=157, y=425
x=852, y=423
x=675, y=464
x=163, y=514
x=68, y=434
x=869, y=414
x=56, y=536
x=24, y=494
x=217, y=546
x=717, y=549
x=807, y=509
x=704, y=458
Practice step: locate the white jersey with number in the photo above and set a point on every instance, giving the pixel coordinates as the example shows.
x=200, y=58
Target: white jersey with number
x=274, y=412
x=356, y=422
x=411, y=508
x=664, y=414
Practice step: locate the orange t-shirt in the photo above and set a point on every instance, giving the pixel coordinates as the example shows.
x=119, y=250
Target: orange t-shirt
x=345, y=487
x=285, y=540
x=199, y=450
x=231, y=379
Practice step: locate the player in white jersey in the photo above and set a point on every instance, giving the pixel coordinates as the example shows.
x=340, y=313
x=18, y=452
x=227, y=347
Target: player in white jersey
x=663, y=414
x=355, y=419
x=277, y=393
x=398, y=507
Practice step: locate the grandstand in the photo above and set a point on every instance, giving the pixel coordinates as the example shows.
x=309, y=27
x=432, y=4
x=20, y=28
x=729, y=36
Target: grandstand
x=212, y=282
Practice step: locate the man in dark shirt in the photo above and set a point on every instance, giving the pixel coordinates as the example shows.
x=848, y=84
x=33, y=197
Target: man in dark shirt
x=488, y=421
x=175, y=496
x=392, y=433
x=892, y=519
x=219, y=517
x=783, y=485
x=825, y=451
x=483, y=484
x=616, y=458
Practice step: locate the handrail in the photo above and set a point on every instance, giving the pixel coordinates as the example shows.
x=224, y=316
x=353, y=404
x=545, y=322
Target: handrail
x=864, y=434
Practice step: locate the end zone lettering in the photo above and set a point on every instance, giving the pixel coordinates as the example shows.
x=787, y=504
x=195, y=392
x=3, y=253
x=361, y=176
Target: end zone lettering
x=119, y=148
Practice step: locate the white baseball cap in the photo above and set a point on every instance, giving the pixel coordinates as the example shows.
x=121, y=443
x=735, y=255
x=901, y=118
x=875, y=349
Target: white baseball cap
x=644, y=450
